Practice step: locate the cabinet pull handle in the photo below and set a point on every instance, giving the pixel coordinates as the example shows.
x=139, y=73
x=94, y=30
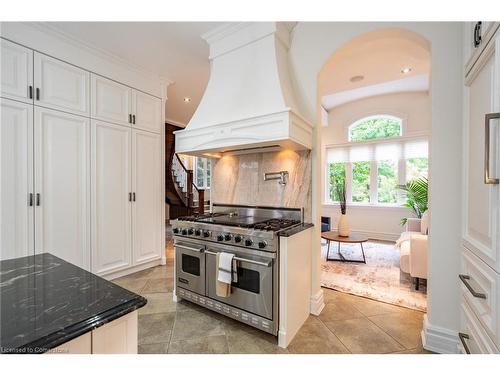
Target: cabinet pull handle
x=133, y=196
x=38, y=199
x=30, y=91
x=477, y=34
x=464, y=279
x=487, y=122
x=130, y=197
x=133, y=119
x=31, y=200
x=37, y=93
x=130, y=118
x=463, y=337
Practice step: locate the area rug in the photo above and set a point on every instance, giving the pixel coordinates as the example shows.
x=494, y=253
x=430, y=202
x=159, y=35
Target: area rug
x=379, y=279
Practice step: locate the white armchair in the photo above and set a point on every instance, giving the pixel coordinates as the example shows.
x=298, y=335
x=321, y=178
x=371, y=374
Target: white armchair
x=413, y=250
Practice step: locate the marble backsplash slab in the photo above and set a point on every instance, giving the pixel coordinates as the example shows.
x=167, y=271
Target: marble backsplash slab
x=239, y=179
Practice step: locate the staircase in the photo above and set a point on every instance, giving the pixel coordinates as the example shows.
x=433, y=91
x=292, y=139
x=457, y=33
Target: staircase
x=182, y=195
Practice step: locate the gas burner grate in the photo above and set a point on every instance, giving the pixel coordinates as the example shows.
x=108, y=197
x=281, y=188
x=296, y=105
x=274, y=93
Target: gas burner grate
x=276, y=224
x=197, y=217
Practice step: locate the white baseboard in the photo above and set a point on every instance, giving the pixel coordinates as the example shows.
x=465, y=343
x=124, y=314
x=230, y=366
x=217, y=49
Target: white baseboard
x=317, y=303
x=282, y=342
x=377, y=235
x=128, y=271
x=438, y=339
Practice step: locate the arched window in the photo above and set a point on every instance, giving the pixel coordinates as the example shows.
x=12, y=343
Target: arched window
x=375, y=127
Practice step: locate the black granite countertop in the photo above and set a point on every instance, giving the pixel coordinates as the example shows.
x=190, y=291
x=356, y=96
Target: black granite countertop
x=46, y=301
x=294, y=230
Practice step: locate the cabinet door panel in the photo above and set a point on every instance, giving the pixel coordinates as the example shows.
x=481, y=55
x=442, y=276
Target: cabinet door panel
x=147, y=111
x=146, y=180
x=111, y=101
x=62, y=180
x=16, y=174
x=482, y=200
x=17, y=71
x=111, y=209
x=62, y=86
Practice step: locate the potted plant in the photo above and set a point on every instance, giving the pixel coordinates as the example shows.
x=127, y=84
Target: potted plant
x=416, y=196
x=343, y=227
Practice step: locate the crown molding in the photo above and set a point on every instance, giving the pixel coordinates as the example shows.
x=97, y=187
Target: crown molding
x=56, y=32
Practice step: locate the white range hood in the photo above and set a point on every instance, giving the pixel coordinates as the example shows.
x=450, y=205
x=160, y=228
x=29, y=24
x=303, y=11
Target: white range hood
x=249, y=102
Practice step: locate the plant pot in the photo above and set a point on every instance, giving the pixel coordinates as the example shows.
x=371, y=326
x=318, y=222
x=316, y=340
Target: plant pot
x=343, y=226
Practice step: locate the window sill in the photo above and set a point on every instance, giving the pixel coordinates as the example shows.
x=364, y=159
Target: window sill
x=367, y=205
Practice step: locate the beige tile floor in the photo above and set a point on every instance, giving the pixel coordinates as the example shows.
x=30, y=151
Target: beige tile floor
x=348, y=324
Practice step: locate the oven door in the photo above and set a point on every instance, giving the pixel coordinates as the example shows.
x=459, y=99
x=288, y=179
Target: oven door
x=190, y=266
x=253, y=292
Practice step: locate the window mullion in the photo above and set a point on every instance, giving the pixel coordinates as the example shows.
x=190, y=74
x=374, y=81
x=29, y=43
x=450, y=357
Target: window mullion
x=373, y=182
x=348, y=181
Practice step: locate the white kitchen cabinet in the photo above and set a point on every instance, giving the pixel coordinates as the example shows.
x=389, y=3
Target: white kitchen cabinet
x=61, y=160
x=117, y=337
x=67, y=182
x=16, y=72
x=147, y=196
x=111, y=197
x=111, y=101
x=16, y=174
x=480, y=274
x=146, y=112
x=481, y=232
x=60, y=85
x=473, y=338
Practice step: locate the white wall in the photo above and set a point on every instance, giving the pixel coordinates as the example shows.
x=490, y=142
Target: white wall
x=415, y=110
x=313, y=43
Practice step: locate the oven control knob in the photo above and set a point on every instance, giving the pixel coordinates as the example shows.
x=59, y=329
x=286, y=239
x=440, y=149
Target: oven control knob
x=184, y=232
x=220, y=237
x=197, y=232
x=206, y=233
x=248, y=242
x=227, y=237
x=176, y=230
x=190, y=231
x=237, y=238
x=262, y=244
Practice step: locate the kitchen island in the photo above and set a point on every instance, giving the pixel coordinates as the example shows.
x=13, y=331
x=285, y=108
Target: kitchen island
x=48, y=304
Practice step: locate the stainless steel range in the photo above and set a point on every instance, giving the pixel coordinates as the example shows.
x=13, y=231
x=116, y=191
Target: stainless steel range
x=252, y=235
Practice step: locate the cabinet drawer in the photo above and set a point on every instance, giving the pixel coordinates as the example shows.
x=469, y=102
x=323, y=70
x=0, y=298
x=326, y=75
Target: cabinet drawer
x=476, y=339
x=480, y=279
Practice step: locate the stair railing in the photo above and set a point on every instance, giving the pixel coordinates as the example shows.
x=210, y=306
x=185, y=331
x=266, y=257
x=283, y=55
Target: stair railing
x=184, y=179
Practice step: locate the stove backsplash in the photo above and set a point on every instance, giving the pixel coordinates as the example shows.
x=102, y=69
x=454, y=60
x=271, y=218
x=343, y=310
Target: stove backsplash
x=239, y=179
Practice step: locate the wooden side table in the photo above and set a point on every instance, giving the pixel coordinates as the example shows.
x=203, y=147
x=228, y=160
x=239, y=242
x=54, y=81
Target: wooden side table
x=353, y=238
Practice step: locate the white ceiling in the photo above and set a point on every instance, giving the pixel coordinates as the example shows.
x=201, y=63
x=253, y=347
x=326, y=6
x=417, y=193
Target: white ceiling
x=417, y=83
x=379, y=57
x=173, y=50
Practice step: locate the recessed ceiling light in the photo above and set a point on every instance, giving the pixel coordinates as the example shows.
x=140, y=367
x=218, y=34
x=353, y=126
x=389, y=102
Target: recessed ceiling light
x=187, y=100
x=406, y=70
x=356, y=78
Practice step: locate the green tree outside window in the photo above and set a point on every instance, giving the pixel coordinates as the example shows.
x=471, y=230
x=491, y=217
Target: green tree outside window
x=375, y=128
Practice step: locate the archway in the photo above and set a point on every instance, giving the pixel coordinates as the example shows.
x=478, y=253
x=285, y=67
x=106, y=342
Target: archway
x=379, y=75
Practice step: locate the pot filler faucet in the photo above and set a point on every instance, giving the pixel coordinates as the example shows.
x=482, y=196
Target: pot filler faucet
x=282, y=176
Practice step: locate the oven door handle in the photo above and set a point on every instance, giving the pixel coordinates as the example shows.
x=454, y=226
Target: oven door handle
x=198, y=250
x=265, y=264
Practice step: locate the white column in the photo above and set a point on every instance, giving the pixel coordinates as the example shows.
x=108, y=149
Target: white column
x=317, y=303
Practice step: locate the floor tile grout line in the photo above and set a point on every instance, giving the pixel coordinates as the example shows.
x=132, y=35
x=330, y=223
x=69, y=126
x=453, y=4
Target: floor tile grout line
x=333, y=333
x=387, y=333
